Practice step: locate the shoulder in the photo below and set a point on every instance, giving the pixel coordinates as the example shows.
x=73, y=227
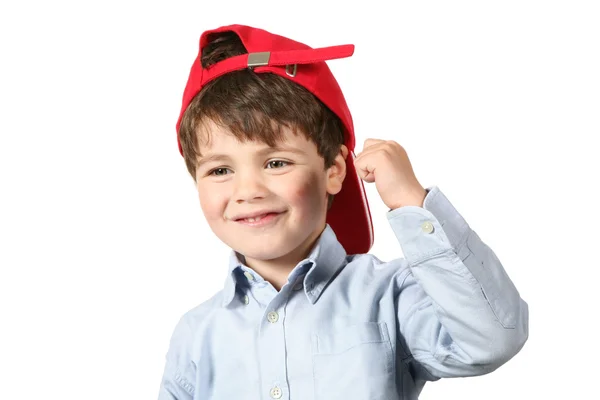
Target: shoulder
x=369, y=268
x=198, y=316
x=194, y=322
x=185, y=344
x=372, y=262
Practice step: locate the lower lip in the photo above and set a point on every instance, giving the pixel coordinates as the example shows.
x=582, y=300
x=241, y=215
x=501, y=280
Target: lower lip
x=266, y=220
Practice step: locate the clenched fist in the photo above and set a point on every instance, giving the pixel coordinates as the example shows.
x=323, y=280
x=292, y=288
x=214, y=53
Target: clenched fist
x=386, y=163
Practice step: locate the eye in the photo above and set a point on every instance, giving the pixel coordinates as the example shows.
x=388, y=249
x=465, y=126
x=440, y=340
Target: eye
x=277, y=164
x=218, y=172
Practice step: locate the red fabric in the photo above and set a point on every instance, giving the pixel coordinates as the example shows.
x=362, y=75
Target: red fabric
x=349, y=216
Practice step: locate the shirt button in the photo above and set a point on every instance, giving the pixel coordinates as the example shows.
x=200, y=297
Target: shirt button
x=273, y=317
x=298, y=286
x=246, y=300
x=276, y=393
x=249, y=276
x=427, y=227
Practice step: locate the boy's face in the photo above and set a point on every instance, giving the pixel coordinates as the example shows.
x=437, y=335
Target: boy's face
x=266, y=203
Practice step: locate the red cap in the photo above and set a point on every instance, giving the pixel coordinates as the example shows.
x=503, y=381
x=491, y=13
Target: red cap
x=349, y=216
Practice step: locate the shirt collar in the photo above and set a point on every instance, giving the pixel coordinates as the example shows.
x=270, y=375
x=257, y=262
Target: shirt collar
x=322, y=263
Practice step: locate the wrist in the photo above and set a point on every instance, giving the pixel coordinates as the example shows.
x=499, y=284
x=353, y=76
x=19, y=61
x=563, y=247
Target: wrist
x=417, y=199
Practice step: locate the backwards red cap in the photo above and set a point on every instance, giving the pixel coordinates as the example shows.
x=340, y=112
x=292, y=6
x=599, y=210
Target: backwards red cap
x=349, y=216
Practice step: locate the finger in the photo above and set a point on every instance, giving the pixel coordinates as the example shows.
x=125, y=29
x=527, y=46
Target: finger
x=370, y=142
x=365, y=171
x=365, y=175
x=368, y=177
x=371, y=149
x=390, y=148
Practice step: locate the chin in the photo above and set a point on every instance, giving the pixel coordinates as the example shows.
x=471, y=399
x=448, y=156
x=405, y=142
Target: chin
x=265, y=245
x=265, y=250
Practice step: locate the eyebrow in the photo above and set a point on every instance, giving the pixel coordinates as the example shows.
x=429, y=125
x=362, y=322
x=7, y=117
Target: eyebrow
x=279, y=148
x=211, y=158
x=267, y=150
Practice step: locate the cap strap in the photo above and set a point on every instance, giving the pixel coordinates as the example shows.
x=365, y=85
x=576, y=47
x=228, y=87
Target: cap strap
x=310, y=56
x=272, y=58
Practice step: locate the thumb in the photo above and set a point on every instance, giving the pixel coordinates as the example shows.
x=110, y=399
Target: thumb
x=365, y=173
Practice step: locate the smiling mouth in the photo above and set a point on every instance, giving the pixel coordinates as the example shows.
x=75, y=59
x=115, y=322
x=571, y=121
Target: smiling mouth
x=256, y=218
x=259, y=220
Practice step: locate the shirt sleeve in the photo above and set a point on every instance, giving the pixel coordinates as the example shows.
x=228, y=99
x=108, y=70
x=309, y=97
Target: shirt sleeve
x=459, y=314
x=179, y=371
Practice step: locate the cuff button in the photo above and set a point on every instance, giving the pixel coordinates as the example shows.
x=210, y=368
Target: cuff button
x=427, y=227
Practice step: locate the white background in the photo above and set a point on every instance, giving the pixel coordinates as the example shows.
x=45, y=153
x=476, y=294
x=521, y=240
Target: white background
x=102, y=242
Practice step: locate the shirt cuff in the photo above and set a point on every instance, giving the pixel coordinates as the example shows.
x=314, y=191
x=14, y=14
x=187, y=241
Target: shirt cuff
x=429, y=230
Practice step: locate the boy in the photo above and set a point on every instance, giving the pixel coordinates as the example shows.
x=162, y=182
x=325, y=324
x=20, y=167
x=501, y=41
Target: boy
x=304, y=313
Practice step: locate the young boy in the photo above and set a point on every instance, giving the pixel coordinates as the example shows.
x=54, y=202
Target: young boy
x=304, y=313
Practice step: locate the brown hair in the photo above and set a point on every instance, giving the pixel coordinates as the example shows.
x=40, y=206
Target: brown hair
x=254, y=107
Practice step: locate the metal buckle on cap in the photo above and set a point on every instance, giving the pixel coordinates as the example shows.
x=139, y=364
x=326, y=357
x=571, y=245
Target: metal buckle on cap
x=258, y=59
x=293, y=73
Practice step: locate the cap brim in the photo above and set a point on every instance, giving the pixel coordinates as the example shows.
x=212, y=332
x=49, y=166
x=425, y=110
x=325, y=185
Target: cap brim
x=349, y=216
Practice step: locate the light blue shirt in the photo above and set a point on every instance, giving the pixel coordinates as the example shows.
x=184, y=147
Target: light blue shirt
x=351, y=326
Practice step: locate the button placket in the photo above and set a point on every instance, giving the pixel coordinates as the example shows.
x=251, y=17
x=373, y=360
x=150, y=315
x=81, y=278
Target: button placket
x=272, y=317
x=272, y=341
x=276, y=392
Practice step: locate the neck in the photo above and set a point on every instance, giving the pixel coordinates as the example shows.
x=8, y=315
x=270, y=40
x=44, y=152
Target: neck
x=277, y=270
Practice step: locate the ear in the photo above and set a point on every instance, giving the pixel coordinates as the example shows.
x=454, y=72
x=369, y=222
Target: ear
x=337, y=172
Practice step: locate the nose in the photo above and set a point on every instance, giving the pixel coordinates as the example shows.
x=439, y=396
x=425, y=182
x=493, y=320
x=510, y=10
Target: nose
x=249, y=187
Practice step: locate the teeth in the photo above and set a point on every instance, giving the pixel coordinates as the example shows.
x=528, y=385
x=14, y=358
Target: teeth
x=255, y=218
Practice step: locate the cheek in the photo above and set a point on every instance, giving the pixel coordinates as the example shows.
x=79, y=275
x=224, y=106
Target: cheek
x=212, y=205
x=306, y=192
